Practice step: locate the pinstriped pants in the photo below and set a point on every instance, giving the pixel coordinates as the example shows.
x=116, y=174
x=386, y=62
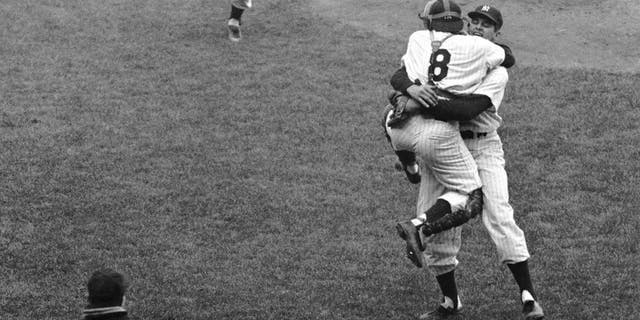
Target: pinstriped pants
x=497, y=215
x=242, y=4
x=439, y=147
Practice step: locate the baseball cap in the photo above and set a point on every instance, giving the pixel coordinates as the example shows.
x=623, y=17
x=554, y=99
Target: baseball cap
x=106, y=288
x=489, y=12
x=444, y=15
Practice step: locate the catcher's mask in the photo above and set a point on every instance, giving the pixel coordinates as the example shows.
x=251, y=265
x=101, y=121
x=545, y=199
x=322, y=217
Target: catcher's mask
x=442, y=15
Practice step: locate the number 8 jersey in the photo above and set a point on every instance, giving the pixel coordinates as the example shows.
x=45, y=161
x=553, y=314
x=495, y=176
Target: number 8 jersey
x=459, y=64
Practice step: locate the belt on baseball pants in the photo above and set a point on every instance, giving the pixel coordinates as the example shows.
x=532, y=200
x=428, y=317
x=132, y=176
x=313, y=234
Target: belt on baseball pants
x=468, y=134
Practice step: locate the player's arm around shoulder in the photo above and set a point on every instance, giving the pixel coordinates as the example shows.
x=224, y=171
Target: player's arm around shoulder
x=509, y=58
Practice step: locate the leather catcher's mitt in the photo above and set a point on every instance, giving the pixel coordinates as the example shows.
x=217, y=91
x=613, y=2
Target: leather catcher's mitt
x=399, y=103
x=404, y=107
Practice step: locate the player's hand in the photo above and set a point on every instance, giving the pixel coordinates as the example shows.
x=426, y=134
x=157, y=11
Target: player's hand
x=424, y=94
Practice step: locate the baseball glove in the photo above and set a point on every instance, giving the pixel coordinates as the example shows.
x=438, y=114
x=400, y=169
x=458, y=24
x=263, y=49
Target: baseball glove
x=399, y=103
x=404, y=107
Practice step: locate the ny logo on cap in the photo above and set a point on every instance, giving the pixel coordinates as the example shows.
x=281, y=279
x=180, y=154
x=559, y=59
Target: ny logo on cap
x=486, y=8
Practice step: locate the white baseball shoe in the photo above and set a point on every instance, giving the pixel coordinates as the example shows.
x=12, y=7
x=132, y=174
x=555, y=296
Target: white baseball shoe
x=234, y=30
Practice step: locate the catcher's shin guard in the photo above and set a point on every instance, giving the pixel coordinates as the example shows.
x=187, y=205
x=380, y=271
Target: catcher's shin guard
x=447, y=222
x=472, y=209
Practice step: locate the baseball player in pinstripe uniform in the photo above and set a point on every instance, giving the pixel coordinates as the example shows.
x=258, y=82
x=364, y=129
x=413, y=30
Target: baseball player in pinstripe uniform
x=482, y=140
x=456, y=63
x=235, y=19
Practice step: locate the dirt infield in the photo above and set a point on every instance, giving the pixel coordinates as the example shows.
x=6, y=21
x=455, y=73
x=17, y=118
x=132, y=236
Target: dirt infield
x=581, y=34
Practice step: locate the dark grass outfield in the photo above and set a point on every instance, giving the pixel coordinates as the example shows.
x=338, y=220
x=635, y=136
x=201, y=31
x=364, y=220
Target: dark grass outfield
x=252, y=181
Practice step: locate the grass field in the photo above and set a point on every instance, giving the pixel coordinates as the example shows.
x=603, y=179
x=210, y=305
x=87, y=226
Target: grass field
x=252, y=180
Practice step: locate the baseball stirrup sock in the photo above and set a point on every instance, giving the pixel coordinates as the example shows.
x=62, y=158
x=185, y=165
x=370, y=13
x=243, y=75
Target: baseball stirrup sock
x=236, y=13
x=447, y=284
x=406, y=157
x=520, y=272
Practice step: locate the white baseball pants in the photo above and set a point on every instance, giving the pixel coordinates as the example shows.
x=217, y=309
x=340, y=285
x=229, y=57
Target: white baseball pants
x=439, y=148
x=497, y=215
x=242, y=4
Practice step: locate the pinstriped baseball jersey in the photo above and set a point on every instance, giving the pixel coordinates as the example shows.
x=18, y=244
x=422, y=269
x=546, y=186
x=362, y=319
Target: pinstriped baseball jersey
x=493, y=87
x=461, y=62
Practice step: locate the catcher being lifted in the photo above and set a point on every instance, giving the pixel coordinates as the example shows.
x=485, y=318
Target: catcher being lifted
x=439, y=217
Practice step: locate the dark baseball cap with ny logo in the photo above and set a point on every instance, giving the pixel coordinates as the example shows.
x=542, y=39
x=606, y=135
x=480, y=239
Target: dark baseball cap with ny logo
x=489, y=12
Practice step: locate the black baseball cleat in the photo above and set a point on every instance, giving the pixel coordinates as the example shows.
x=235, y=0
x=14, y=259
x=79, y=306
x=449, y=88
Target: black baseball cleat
x=441, y=313
x=445, y=310
x=409, y=233
x=412, y=177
